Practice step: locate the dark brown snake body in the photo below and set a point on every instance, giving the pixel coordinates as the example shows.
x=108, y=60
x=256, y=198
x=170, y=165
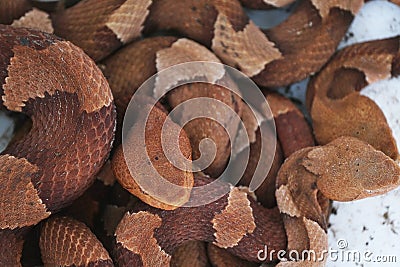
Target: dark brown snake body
x=73, y=120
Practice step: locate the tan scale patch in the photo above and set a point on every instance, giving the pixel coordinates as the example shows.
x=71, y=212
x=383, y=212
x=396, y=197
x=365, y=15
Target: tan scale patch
x=375, y=69
x=249, y=50
x=324, y=6
x=235, y=221
x=246, y=190
x=183, y=51
x=285, y=202
x=127, y=21
x=35, y=19
x=63, y=67
x=11, y=244
x=134, y=229
x=20, y=204
x=278, y=3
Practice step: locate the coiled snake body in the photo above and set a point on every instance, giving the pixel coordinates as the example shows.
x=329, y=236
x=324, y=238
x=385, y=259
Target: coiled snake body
x=71, y=107
x=73, y=120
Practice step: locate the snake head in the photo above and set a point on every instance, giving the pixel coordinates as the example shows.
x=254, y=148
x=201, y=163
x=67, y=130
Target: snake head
x=350, y=169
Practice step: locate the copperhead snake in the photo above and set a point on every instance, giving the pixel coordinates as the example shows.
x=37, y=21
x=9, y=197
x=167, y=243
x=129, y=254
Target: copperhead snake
x=285, y=54
x=73, y=122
